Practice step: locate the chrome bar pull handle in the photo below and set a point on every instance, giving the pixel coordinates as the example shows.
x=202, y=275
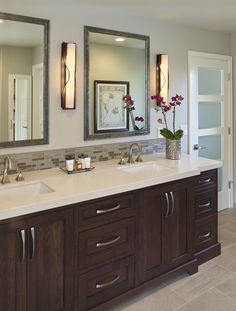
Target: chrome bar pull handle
x=167, y=204
x=32, y=232
x=102, y=285
x=101, y=244
x=173, y=203
x=204, y=236
x=104, y=211
x=204, y=181
x=22, y=233
x=204, y=205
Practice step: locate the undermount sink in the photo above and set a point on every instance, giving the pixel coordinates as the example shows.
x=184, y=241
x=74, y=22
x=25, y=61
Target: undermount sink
x=148, y=168
x=26, y=190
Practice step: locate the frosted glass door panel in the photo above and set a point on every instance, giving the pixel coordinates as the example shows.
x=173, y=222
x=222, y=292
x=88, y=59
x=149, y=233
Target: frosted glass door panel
x=210, y=115
x=211, y=145
x=210, y=82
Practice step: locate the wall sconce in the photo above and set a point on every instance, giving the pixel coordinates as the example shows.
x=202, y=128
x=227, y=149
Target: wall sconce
x=162, y=76
x=68, y=75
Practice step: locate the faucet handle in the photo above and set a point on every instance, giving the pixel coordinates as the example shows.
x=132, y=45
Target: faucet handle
x=139, y=158
x=130, y=159
x=20, y=177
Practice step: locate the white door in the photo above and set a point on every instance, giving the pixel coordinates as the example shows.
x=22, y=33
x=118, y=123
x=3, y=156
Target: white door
x=19, y=112
x=210, y=116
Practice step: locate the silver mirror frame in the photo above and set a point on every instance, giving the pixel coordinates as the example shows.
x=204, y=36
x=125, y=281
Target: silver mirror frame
x=146, y=39
x=46, y=24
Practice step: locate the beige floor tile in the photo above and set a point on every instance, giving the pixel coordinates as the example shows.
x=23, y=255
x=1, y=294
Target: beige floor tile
x=228, y=287
x=228, y=258
x=163, y=299
x=206, y=266
x=212, y=300
x=226, y=216
x=192, y=286
x=226, y=236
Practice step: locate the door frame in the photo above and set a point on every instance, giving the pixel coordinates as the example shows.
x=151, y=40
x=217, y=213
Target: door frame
x=191, y=56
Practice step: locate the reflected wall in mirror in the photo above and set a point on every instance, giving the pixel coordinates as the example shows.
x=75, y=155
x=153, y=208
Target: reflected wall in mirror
x=115, y=62
x=23, y=80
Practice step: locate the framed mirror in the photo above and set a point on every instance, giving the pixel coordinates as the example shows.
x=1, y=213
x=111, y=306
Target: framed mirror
x=23, y=80
x=116, y=65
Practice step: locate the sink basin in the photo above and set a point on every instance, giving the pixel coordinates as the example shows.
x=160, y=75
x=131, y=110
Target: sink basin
x=148, y=168
x=26, y=190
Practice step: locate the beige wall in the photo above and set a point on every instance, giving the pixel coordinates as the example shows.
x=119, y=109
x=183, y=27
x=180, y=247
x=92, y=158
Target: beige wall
x=67, y=21
x=118, y=64
x=37, y=55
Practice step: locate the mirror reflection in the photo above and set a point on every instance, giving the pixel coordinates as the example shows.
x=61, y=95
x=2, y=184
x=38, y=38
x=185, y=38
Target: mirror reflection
x=116, y=65
x=23, y=98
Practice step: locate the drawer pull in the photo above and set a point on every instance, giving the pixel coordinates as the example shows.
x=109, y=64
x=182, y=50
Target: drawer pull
x=101, y=244
x=167, y=204
x=204, y=181
x=22, y=233
x=204, y=236
x=32, y=231
x=104, y=211
x=108, y=283
x=204, y=205
x=173, y=203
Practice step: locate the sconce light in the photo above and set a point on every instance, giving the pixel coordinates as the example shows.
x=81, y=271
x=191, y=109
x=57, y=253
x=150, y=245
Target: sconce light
x=162, y=76
x=68, y=75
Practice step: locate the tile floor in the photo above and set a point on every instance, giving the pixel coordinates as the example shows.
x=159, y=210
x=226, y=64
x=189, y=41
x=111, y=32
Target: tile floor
x=213, y=288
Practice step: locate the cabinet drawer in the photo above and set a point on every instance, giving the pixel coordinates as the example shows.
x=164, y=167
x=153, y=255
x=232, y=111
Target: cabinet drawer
x=206, y=179
x=205, y=203
x=105, y=283
x=107, y=243
x=205, y=232
x=102, y=210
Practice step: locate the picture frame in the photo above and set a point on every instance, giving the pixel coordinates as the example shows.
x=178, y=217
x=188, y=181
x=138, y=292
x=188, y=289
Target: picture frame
x=109, y=112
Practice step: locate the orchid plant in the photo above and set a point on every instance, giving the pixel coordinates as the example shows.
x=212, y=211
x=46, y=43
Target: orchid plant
x=129, y=105
x=165, y=108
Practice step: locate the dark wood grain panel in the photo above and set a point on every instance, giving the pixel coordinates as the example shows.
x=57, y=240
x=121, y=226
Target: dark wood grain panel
x=12, y=267
x=106, y=243
x=50, y=278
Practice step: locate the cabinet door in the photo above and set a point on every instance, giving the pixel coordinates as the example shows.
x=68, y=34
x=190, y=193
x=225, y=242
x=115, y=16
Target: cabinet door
x=13, y=266
x=50, y=274
x=178, y=224
x=150, y=234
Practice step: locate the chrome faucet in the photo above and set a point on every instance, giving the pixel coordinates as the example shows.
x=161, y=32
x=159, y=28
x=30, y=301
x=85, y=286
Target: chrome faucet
x=7, y=165
x=139, y=157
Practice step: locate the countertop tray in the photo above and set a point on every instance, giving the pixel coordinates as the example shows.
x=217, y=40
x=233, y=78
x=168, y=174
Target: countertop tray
x=84, y=170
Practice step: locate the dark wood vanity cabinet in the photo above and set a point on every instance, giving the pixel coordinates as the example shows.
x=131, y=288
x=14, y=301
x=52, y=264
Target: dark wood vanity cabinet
x=89, y=256
x=12, y=267
x=205, y=239
x=165, y=220
x=36, y=263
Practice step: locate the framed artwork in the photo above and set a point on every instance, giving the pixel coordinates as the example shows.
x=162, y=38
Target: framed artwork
x=109, y=112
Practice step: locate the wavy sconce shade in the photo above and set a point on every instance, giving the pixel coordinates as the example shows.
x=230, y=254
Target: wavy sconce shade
x=162, y=76
x=68, y=75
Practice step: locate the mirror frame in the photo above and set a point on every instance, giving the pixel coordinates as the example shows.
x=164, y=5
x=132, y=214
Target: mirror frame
x=87, y=104
x=46, y=24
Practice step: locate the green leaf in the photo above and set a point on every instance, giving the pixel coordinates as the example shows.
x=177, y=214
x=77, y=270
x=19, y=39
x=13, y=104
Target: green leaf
x=167, y=134
x=179, y=134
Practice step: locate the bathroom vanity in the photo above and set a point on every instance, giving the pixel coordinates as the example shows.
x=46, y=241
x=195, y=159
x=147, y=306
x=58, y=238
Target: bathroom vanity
x=102, y=236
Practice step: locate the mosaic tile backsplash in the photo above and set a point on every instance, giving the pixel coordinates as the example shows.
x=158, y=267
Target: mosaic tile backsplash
x=53, y=158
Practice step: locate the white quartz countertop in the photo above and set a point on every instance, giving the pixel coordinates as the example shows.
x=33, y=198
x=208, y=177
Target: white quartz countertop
x=106, y=179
